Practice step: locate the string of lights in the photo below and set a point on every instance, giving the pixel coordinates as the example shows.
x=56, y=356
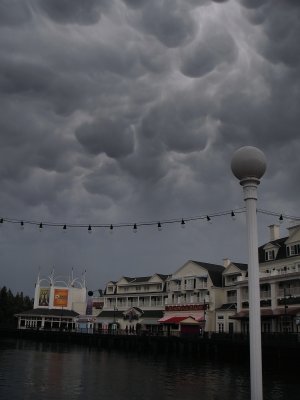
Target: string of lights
x=135, y=225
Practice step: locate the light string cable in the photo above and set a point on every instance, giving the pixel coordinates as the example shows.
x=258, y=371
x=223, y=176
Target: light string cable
x=281, y=216
x=159, y=223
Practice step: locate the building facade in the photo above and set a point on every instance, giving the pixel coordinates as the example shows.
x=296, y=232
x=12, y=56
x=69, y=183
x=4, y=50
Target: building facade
x=58, y=304
x=279, y=265
x=133, y=304
x=198, y=297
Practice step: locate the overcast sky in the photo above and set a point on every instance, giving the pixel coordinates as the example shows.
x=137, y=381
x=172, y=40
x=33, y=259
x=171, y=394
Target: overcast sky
x=118, y=111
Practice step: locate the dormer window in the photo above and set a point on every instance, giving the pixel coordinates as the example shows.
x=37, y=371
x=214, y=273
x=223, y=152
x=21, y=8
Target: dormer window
x=269, y=255
x=293, y=250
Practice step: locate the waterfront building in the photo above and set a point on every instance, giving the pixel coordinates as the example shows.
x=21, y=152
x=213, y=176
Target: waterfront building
x=58, y=304
x=279, y=264
x=133, y=304
x=197, y=297
x=193, y=291
x=232, y=273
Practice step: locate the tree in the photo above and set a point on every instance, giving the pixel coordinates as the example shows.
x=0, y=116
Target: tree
x=11, y=305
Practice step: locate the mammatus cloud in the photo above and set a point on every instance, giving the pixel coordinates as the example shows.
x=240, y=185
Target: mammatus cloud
x=116, y=110
x=72, y=11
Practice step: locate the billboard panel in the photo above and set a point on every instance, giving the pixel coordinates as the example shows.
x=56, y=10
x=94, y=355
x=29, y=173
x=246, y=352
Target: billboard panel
x=60, y=298
x=44, y=297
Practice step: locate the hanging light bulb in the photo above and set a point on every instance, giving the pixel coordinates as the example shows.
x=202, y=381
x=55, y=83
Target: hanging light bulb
x=111, y=229
x=134, y=228
x=281, y=219
x=65, y=228
x=159, y=227
x=182, y=224
x=41, y=227
x=89, y=229
x=21, y=225
x=1, y=220
x=208, y=219
x=232, y=215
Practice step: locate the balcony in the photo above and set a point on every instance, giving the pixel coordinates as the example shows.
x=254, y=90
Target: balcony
x=292, y=291
x=188, y=287
x=231, y=299
x=265, y=294
x=175, y=288
x=201, y=285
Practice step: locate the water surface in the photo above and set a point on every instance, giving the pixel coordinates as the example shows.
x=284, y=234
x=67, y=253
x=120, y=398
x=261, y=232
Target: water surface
x=37, y=371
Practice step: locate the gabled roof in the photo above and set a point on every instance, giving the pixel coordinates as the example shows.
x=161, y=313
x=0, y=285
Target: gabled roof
x=153, y=314
x=163, y=276
x=214, y=271
x=55, y=312
x=281, y=253
x=241, y=266
x=144, y=278
x=110, y=314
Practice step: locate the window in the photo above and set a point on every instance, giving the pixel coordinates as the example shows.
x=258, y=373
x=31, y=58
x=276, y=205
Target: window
x=231, y=296
x=293, y=250
x=269, y=255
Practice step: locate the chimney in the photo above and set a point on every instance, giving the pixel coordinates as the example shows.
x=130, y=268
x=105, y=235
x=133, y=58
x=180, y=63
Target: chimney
x=226, y=262
x=274, y=232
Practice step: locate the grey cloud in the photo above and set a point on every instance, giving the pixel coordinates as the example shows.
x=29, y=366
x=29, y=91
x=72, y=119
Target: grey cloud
x=253, y=4
x=166, y=124
x=137, y=116
x=105, y=135
x=135, y=3
x=25, y=76
x=72, y=11
x=108, y=180
x=280, y=23
x=14, y=12
x=169, y=21
x=206, y=54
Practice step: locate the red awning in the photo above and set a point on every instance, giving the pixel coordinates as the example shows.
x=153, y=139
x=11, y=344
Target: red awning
x=172, y=320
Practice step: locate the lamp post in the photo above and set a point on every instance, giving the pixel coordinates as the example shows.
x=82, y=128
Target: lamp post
x=248, y=165
x=114, y=321
x=285, y=296
x=204, y=307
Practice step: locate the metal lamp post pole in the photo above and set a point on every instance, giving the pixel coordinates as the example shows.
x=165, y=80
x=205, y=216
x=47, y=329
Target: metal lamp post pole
x=250, y=193
x=249, y=165
x=204, y=304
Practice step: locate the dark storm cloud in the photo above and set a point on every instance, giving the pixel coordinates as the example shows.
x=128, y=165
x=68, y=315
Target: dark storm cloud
x=170, y=21
x=168, y=125
x=280, y=23
x=72, y=11
x=14, y=12
x=131, y=109
x=204, y=55
x=113, y=137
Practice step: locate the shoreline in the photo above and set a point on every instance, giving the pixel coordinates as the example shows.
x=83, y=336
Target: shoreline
x=223, y=346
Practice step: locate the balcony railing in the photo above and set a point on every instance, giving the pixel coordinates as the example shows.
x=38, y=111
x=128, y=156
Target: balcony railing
x=175, y=288
x=265, y=294
x=231, y=299
x=293, y=291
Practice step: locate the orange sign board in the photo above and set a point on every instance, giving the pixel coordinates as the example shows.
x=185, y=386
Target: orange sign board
x=60, y=298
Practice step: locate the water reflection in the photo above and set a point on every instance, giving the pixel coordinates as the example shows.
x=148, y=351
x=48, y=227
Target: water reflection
x=52, y=371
